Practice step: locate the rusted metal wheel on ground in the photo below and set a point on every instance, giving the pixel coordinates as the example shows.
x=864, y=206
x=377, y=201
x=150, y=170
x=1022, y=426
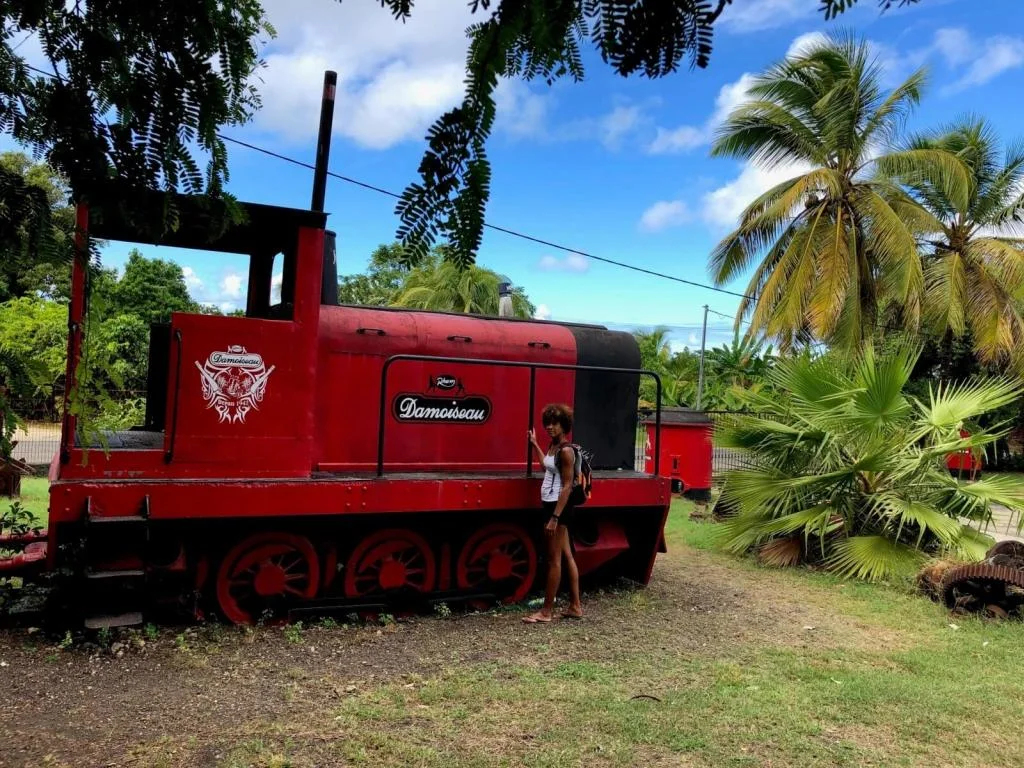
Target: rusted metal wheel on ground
x=266, y=572
x=395, y=562
x=499, y=558
x=982, y=585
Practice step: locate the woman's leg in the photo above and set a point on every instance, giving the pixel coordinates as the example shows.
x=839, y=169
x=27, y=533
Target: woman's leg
x=575, y=609
x=554, y=543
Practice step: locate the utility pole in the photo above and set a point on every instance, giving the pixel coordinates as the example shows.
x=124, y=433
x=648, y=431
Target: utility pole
x=700, y=376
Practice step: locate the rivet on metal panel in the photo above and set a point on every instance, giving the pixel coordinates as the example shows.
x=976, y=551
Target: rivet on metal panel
x=364, y=505
x=364, y=489
x=348, y=506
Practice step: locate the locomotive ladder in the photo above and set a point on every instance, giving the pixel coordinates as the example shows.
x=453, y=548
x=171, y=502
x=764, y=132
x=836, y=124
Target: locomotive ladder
x=120, y=589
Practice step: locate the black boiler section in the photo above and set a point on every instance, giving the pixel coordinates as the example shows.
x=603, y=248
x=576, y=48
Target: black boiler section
x=605, y=404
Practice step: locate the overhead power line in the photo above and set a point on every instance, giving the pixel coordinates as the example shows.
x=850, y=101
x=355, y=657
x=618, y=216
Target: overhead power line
x=495, y=227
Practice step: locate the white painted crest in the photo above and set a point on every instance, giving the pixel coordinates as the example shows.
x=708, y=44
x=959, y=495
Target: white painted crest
x=234, y=382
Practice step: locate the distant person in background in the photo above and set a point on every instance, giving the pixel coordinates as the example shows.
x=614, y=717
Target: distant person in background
x=558, y=461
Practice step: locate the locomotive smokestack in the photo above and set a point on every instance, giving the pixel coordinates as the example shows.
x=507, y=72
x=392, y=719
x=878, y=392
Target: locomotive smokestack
x=505, y=300
x=323, y=142
x=329, y=275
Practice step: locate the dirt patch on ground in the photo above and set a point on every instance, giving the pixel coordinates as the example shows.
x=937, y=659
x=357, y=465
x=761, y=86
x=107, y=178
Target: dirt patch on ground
x=194, y=695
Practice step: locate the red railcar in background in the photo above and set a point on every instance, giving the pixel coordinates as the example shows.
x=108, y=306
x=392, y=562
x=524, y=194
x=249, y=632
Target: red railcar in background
x=312, y=456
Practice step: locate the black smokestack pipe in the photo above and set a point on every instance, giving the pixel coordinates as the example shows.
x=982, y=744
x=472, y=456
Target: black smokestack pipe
x=329, y=275
x=323, y=142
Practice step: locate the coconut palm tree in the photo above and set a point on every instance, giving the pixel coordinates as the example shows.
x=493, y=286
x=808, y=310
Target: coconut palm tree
x=845, y=468
x=828, y=245
x=438, y=284
x=973, y=262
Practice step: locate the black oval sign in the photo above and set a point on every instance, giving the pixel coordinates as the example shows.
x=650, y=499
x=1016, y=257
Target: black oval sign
x=441, y=410
x=445, y=382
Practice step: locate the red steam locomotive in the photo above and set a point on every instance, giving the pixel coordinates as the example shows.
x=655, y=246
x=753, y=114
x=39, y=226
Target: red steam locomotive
x=316, y=457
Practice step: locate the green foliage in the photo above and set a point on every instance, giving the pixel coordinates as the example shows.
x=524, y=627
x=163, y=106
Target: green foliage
x=17, y=520
x=729, y=371
x=151, y=289
x=36, y=229
x=845, y=463
x=538, y=39
x=435, y=284
x=439, y=284
x=134, y=95
x=973, y=278
x=33, y=337
x=382, y=281
x=836, y=243
x=116, y=414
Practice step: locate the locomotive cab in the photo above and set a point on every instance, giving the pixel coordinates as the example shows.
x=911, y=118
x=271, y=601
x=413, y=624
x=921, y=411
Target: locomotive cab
x=280, y=244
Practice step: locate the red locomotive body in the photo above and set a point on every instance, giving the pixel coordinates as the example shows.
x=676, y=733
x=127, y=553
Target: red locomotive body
x=316, y=456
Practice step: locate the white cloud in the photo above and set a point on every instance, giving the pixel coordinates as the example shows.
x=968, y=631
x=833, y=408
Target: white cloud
x=664, y=214
x=973, y=62
x=231, y=285
x=543, y=312
x=764, y=14
x=693, y=338
x=394, y=78
x=687, y=137
x=722, y=207
x=994, y=56
x=954, y=44
x=227, y=307
x=521, y=113
x=802, y=43
x=192, y=281
x=619, y=123
x=275, y=287
x=680, y=139
x=573, y=262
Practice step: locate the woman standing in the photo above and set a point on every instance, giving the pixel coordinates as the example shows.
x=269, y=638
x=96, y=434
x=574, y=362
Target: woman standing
x=558, y=462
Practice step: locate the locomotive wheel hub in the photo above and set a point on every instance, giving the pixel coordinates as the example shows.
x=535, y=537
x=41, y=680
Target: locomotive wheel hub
x=392, y=574
x=499, y=566
x=270, y=580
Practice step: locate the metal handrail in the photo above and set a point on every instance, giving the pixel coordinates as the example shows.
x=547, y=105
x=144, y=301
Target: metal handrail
x=533, y=377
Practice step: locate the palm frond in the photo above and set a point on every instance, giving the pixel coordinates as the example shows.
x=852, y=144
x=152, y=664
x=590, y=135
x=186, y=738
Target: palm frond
x=873, y=558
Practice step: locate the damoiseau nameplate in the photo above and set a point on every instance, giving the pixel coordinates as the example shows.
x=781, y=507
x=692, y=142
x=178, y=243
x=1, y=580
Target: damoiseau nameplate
x=441, y=410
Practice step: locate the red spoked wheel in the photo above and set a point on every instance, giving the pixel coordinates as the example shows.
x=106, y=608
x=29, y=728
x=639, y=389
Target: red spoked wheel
x=500, y=558
x=390, y=562
x=266, y=572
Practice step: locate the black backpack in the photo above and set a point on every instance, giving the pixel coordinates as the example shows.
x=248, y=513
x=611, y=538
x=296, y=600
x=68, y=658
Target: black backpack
x=582, y=476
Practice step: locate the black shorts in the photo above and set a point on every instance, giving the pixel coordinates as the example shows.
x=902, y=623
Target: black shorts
x=565, y=518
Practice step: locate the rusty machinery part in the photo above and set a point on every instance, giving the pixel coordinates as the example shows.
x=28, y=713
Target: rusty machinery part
x=1008, y=547
x=996, y=587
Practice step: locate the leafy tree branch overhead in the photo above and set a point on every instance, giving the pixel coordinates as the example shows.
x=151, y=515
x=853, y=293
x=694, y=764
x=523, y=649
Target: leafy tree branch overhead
x=542, y=38
x=139, y=95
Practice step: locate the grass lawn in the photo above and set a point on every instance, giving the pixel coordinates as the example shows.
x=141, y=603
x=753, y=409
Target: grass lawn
x=719, y=662
x=35, y=497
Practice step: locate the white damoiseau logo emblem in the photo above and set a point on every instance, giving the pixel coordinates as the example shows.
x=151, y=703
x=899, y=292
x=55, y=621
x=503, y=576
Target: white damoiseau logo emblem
x=234, y=382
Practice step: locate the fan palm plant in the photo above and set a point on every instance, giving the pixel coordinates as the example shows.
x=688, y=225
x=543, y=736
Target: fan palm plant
x=974, y=263
x=846, y=469
x=831, y=246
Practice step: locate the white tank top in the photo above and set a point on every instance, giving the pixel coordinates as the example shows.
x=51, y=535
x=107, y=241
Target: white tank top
x=552, y=484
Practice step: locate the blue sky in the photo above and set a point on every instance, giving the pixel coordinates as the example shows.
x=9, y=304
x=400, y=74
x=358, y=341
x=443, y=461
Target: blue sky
x=615, y=167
